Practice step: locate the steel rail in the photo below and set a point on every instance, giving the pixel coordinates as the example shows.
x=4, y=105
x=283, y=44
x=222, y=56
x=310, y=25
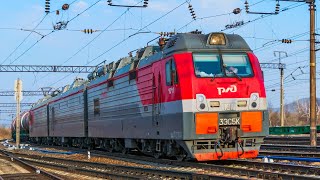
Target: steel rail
x=289, y=153
x=41, y=174
x=290, y=140
x=290, y=168
x=303, y=148
x=260, y=170
x=114, y=171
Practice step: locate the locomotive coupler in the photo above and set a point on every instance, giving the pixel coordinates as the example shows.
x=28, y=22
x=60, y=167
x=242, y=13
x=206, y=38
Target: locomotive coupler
x=230, y=134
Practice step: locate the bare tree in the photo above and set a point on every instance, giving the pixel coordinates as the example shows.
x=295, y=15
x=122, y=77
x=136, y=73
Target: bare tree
x=274, y=119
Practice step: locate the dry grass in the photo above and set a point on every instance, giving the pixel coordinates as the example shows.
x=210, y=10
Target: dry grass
x=5, y=133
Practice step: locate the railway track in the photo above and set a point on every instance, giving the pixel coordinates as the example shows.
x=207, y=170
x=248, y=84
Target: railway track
x=242, y=168
x=289, y=153
x=289, y=140
x=282, y=149
x=19, y=169
x=103, y=170
x=219, y=169
x=297, y=148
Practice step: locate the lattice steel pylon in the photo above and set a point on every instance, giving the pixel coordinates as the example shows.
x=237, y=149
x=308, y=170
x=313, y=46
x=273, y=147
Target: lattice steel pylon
x=48, y=68
x=24, y=93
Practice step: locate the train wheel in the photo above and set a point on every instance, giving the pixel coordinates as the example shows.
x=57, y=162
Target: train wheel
x=157, y=155
x=180, y=157
x=125, y=151
x=110, y=149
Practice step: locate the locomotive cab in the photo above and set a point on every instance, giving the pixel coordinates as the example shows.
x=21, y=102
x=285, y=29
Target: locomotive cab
x=223, y=97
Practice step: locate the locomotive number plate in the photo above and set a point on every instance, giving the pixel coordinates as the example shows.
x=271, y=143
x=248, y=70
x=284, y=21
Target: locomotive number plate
x=229, y=119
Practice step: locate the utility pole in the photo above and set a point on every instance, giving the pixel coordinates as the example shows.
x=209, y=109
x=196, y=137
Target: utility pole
x=313, y=97
x=281, y=87
x=18, y=97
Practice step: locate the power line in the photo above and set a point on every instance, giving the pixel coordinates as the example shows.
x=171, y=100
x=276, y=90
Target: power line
x=104, y=30
x=52, y=32
x=136, y=32
x=126, y=39
x=263, y=16
x=23, y=40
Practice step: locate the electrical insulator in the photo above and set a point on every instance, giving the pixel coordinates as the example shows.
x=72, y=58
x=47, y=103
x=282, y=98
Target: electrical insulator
x=287, y=41
x=65, y=7
x=47, y=6
x=301, y=70
x=277, y=8
x=246, y=5
x=88, y=31
x=237, y=11
x=193, y=14
x=196, y=32
x=162, y=42
x=145, y=3
x=109, y=2
x=57, y=12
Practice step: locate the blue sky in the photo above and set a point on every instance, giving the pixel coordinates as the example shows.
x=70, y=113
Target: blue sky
x=72, y=47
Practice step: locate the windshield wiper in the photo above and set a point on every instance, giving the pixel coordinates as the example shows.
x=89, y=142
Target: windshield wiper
x=234, y=73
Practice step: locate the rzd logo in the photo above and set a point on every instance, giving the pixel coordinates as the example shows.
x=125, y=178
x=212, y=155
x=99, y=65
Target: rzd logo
x=232, y=88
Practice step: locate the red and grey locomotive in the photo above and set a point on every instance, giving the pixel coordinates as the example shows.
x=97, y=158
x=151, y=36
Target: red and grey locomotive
x=198, y=96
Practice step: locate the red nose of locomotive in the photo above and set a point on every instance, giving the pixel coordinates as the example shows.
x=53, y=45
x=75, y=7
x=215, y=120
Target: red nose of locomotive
x=228, y=101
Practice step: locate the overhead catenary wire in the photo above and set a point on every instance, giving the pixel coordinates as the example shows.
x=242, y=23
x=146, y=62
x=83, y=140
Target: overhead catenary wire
x=263, y=16
x=31, y=31
x=23, y=40
x=120, y=42
x=51, y=33
x=92, y=40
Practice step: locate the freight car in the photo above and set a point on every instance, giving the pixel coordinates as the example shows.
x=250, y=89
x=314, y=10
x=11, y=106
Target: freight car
x=196, y=96
x=24, y=127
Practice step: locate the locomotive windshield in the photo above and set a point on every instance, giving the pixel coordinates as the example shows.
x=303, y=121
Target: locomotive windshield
x=210, y=65
x=237, y=63
x=207, y=65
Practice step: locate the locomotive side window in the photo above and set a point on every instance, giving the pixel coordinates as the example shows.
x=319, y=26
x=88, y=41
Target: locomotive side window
x=237, y=63
x=171, y=73
x=96, y=106
x=207, y=65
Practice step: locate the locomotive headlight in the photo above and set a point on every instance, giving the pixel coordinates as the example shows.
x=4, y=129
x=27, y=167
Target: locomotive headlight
x=214, y=104
x=200, y=98
x=202, y=106
x=217, y=39
x=254, y=100
x=201, y=102
x=242, y=103
x=254, y=97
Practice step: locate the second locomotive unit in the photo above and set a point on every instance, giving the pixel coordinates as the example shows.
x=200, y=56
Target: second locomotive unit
x=195, y=96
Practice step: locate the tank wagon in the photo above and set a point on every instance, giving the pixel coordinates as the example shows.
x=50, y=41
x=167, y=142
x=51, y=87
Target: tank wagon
x=198, y=96
x=24, y=127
